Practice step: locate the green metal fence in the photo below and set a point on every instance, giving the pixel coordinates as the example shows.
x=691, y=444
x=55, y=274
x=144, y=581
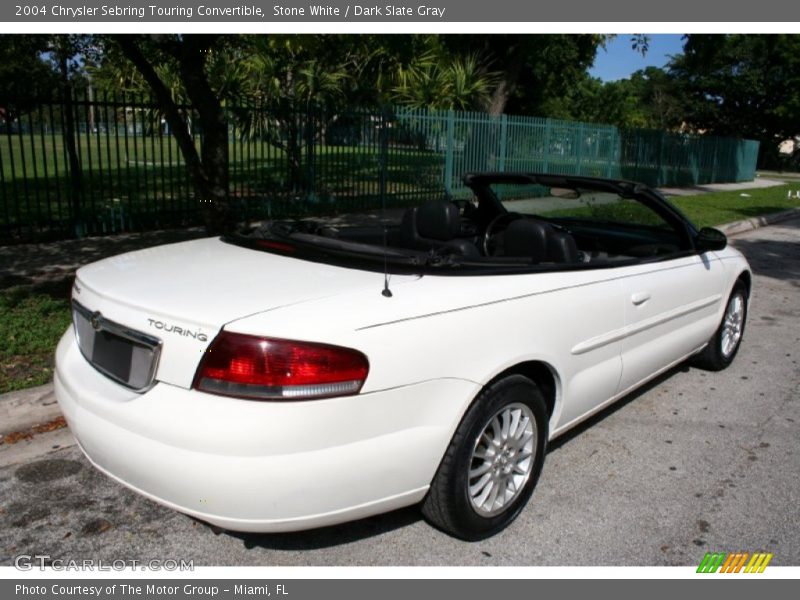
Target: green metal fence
x=71, y=166
x=475, y=141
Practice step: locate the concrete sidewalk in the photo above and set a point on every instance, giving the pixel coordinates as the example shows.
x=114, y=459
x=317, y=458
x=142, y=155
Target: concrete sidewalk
x=758, y=183
x=22, y=409
x=31, y=417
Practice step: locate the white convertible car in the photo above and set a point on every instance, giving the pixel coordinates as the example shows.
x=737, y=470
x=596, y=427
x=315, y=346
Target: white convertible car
x=303, y=373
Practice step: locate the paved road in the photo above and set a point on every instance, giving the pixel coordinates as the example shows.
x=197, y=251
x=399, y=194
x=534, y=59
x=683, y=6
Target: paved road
x=697, y=461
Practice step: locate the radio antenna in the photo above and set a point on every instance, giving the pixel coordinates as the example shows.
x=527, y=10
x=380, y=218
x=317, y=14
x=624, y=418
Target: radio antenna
x=386, y=293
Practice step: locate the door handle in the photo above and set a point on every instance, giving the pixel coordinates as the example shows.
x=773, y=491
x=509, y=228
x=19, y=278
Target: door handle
x=640, y=298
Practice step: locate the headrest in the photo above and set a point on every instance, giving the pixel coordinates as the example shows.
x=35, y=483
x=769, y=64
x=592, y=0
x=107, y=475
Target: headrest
x=561, y=247
x=438, y=220
x=527, y=238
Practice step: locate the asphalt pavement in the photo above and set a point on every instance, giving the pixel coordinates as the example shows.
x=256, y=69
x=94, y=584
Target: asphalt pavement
x=694, y=462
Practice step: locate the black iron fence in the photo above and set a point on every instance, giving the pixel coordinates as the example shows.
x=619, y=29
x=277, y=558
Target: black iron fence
x=76, y=166
x=79, y=167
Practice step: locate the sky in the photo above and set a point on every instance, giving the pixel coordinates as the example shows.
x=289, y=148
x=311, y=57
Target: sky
x=619, y=60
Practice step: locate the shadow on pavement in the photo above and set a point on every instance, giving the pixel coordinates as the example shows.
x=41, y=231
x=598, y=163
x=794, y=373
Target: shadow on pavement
x=684, y=367
x=779, y=259
x=335, y=535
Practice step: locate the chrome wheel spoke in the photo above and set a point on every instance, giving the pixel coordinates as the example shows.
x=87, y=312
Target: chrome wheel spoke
x=477, y=472
x=497, y=429
x=484, y=454
x=523, y=441
x=478, y=487
x=523, y=426
x=516, y=417
x=492, y=496
x=481, y=500
x=523, y=456
x=511, y=487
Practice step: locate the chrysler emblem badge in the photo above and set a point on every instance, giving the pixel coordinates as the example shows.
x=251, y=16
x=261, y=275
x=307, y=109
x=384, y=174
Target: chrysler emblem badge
x=95, y=321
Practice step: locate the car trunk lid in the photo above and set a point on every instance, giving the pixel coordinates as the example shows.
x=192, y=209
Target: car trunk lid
x=183, y=294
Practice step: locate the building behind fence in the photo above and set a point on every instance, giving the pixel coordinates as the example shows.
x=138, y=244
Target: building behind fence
x=77, y=167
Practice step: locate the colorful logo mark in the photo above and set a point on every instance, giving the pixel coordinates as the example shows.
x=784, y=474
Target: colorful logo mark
x=735, y=562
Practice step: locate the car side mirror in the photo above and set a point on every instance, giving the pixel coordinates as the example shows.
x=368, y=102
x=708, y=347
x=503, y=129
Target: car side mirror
x=710, y=239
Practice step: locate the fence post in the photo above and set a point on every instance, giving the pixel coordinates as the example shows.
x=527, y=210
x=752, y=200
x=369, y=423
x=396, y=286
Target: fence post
x=714, y=163
x=661, y=179
x=449, y=152
x=14, y=194
x=612, y=152
x=384, y=158
x=639, y=142
x=546, y=161
x=310, y=131
x=503, y=142
x=580, y=149
x=75, y=183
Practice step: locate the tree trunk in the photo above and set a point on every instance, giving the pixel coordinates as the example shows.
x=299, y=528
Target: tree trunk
x=209, y=170
x=500, y=96
x=508, y=82
x=294, y=152
x=214, y=154
x=75, y=174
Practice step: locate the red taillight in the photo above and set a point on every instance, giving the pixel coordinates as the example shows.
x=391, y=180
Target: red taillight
x=272, y=245
x=248, y=366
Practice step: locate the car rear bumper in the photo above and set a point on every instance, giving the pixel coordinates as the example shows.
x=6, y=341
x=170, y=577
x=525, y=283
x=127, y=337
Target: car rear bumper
x=262, y=466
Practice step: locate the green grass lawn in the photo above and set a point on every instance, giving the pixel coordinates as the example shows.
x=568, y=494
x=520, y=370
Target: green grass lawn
x=34, y=318
x=703, y=210
x=726, y=207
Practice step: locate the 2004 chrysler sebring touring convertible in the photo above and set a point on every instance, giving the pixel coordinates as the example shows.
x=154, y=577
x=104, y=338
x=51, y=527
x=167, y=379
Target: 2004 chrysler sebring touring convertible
x=304, y=373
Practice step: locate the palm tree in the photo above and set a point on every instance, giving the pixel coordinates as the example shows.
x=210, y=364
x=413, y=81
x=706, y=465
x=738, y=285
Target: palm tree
x=445, y=83
x=283, y=75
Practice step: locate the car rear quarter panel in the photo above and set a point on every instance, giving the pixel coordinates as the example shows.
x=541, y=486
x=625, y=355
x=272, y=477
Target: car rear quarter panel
x=471, y=328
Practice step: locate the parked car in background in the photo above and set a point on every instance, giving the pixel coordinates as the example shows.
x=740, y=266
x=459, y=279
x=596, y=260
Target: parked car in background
x=301, y=373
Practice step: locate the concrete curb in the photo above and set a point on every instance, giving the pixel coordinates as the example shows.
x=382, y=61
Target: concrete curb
x=22, y=409
x=737, y=227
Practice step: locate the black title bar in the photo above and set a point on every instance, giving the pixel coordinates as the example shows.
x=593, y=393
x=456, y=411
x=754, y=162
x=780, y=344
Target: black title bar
x=433, y=11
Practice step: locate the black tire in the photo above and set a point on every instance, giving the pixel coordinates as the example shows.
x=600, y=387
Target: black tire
x=713, y=357
x=448, y=505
